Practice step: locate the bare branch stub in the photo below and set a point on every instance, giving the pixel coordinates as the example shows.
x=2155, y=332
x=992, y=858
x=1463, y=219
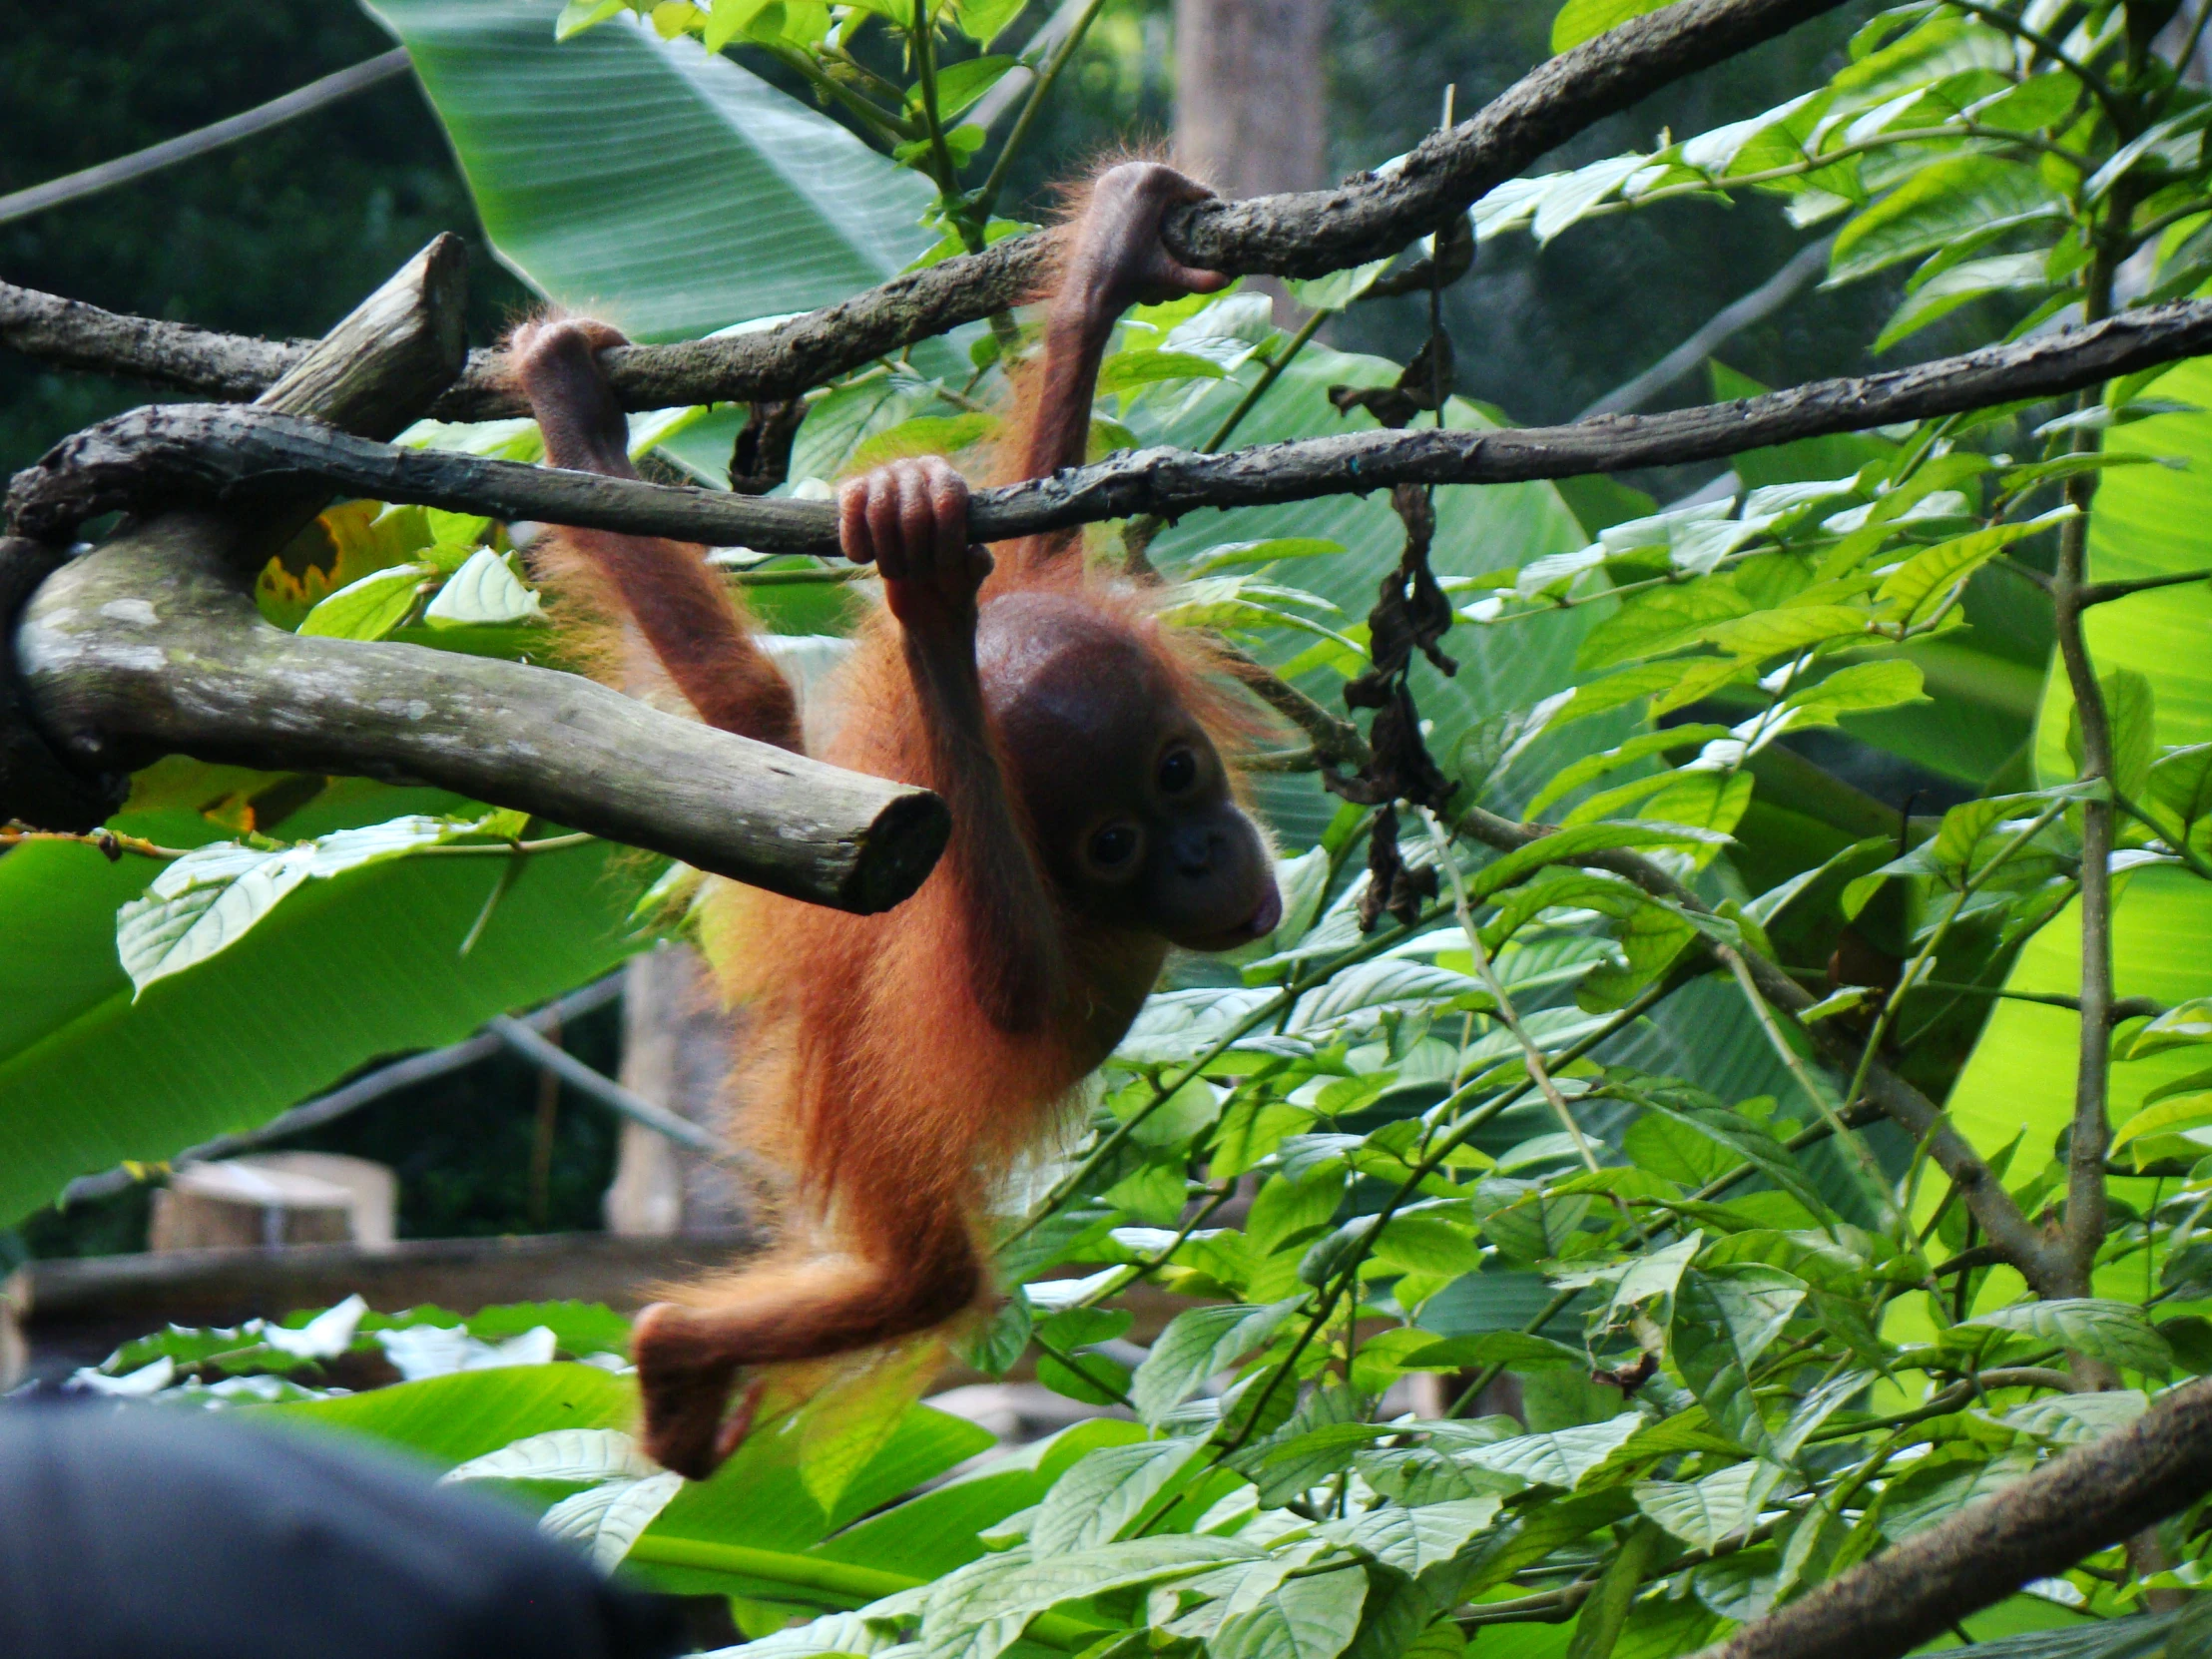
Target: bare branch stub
x=1302, y=236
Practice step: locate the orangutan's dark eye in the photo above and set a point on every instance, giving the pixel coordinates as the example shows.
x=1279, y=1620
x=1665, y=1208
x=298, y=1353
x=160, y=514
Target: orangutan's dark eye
x=1114, y=846
x=1177, y=770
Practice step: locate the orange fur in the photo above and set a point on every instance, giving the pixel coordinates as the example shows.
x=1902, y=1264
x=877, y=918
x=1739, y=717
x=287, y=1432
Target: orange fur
x=894, y=1066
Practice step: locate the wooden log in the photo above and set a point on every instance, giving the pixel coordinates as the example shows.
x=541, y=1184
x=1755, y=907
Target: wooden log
x=158, y=651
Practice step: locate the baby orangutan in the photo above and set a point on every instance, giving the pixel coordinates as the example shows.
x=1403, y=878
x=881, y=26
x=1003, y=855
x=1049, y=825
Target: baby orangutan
x=894, y=1064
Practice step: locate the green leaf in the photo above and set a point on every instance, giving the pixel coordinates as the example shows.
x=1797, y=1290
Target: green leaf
x=1144, y=365
x=483, y=591
x=1591, y=767
x=1971, y=280
x=1429, y=1244
x=1570, y=844
x=1939, y=1486
x=2193, y=1083
x=977, y=1611
x=1198, y=1343
x=983, y=20
x=922, y=435
x=1653, y=1274
x=842, y=1429
x=962, y=84
x=1787, y=630
x=1338, y=288
x=607, y=1521
x=1514, y=1349
x=1724, y=1318
x=1581, y=20
x=1712, y=800
x=472, y=1414
x=618, y=167
x=1854, y=690
x=1707, y=1513
x=2171, y=1117
x=370, y=608
x=1226, y=555
x=579, y=15
x=1110, y=1490
x=2181, y=784
x=1747, y=1139
x=1941, y=203
x=2185, y=1025
x=209, y=899
x=2109, y=1330
x=232, y=1043
x=1560, y=1458
x=1413, y=1540
x=2133, y=720
x=1307, y=1618
x=593, y=1455
x=1914, y=589
x=2076, y=1419
x=1662, y=618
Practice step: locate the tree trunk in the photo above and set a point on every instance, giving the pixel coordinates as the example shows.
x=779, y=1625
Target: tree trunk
x=1252, y=97
x=676, y=1053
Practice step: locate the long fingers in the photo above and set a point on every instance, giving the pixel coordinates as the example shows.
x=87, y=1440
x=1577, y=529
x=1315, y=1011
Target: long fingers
x=886, y=525
x=909, y=518
x=854, y=537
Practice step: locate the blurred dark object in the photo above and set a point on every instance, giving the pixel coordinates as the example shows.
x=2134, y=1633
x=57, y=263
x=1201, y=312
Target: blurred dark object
x=139, y=1531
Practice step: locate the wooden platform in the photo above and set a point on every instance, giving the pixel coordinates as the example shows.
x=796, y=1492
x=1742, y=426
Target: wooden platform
x=81, y=1310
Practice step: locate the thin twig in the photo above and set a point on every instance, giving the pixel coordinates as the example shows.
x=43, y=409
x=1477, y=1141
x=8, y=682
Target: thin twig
x=315, y=95
x=2103, y=593
x=107, y=842
x=986, y=198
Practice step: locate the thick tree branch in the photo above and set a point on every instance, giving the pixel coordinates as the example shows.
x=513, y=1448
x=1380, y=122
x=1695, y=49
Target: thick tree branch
x=1305, y=235
x=2087, y=1500
x=210, y=451
x=151, y=644
x=158, y=652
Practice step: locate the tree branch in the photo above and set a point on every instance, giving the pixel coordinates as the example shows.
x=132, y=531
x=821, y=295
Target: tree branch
x=156, y=651
x=1305, y=235
x=2091, y=1499
x=152, y=643
x=211, y=451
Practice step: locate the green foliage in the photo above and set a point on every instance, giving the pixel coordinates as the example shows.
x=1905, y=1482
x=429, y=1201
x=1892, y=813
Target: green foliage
x=776, y=208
